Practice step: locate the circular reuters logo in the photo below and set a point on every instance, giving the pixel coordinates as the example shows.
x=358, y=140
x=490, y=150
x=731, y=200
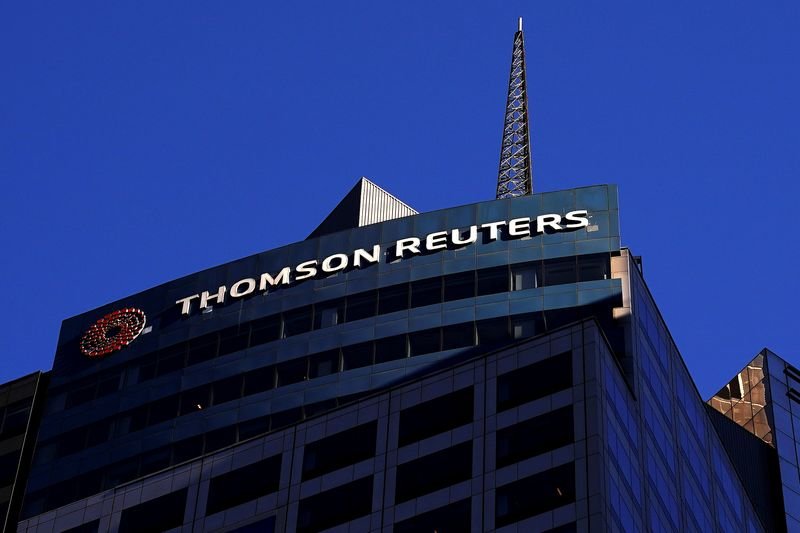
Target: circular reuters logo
x=113, y=332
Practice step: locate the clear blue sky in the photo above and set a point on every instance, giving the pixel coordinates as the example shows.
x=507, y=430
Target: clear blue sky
x=142, y=141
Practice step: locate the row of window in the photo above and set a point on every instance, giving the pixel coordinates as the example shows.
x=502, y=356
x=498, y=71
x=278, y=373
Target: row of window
x=486, y=332
x=354, y=307
x=178, y=452
x=514, y=443
x=14, y=418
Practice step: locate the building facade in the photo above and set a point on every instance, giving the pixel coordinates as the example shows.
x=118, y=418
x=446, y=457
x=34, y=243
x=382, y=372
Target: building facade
x=499, y=366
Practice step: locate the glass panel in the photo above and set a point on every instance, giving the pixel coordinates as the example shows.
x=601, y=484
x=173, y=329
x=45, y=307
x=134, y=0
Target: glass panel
x=265, y=329
x=426, y=292
x=593, y=267
x=339, y=450
x=360, y=306
x=493, y=330
x=458, y=336
x=425, y=341
x=458, y=286
x=228, y=389
x=390, y=348
x=526, y=276
x=433, y=472
x=259, y=380
x=559, y=272
x=297, y=321
x=492, y=280
x=329, y=314
x=292, y=371
x=391, y=299
x=323, y=364
x=357, y=355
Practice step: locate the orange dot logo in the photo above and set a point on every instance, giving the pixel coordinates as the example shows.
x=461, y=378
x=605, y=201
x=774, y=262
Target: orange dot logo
x=113, y=332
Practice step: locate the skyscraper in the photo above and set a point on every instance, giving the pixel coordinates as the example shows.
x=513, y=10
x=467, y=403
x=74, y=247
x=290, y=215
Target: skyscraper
x=495, y=366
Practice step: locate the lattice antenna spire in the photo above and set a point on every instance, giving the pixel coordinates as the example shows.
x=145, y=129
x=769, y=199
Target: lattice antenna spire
x=515, y=177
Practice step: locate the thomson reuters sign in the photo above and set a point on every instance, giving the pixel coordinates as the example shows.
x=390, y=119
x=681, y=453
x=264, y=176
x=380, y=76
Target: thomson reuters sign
x=517, y=228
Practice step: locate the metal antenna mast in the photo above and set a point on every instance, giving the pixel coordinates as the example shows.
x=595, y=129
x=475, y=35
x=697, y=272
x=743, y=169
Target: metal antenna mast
x=515, y=177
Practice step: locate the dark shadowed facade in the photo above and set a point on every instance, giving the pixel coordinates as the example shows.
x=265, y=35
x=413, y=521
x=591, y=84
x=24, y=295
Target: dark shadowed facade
x=496, y=366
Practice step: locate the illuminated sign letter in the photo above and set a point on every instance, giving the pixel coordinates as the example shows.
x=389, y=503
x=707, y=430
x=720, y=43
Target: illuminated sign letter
x=458, y=241
x=519, y=227
x=547, y=220
x=436, y=241
x=340, y=260
x=237, y=290
x=411, y=244
x=218, y=297
x=578, y=219
x=268, y=280
x=360, y=254
x=306, y=270
x=493, y=228
x=186, y=303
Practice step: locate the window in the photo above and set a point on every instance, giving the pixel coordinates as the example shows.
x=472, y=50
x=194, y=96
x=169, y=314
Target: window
x=527, y=325
x=162, y=410
x=201, y=349
x=433, y=472
x=8, y=469
x=425, y=341
x=297, y=321
x=234, y=339
x=356, y=355
x=172, y=358
x=493, y=330
x=88, y=527
x=458, y=286
x=253, y=427
x=228, y=389
x=391, y=299
x=336, y=506
x=458, y=336
x=426, y=292
x=155, y=515
x=339, y=450
x=155, y=460
x=195, y=399
x=324, y=364
x=265, y=329
x=292, y=371
x=187, y=449
x=287, y=417
x=259, y=380
x=262, y=526
x=593, y=267
x=534, y=495
x=560, y=271
x=16, y=419
x=535, y=436
x=219, y=438
x=534, y=381
x=98, y=433
x=390, y=348
x=360, y=306
x=312, y=409
x=436, y=416
x=526, y=276
x=243, y=484
x=492, y=280
x=453, y=518
x=131, y=421
x=329, y=314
